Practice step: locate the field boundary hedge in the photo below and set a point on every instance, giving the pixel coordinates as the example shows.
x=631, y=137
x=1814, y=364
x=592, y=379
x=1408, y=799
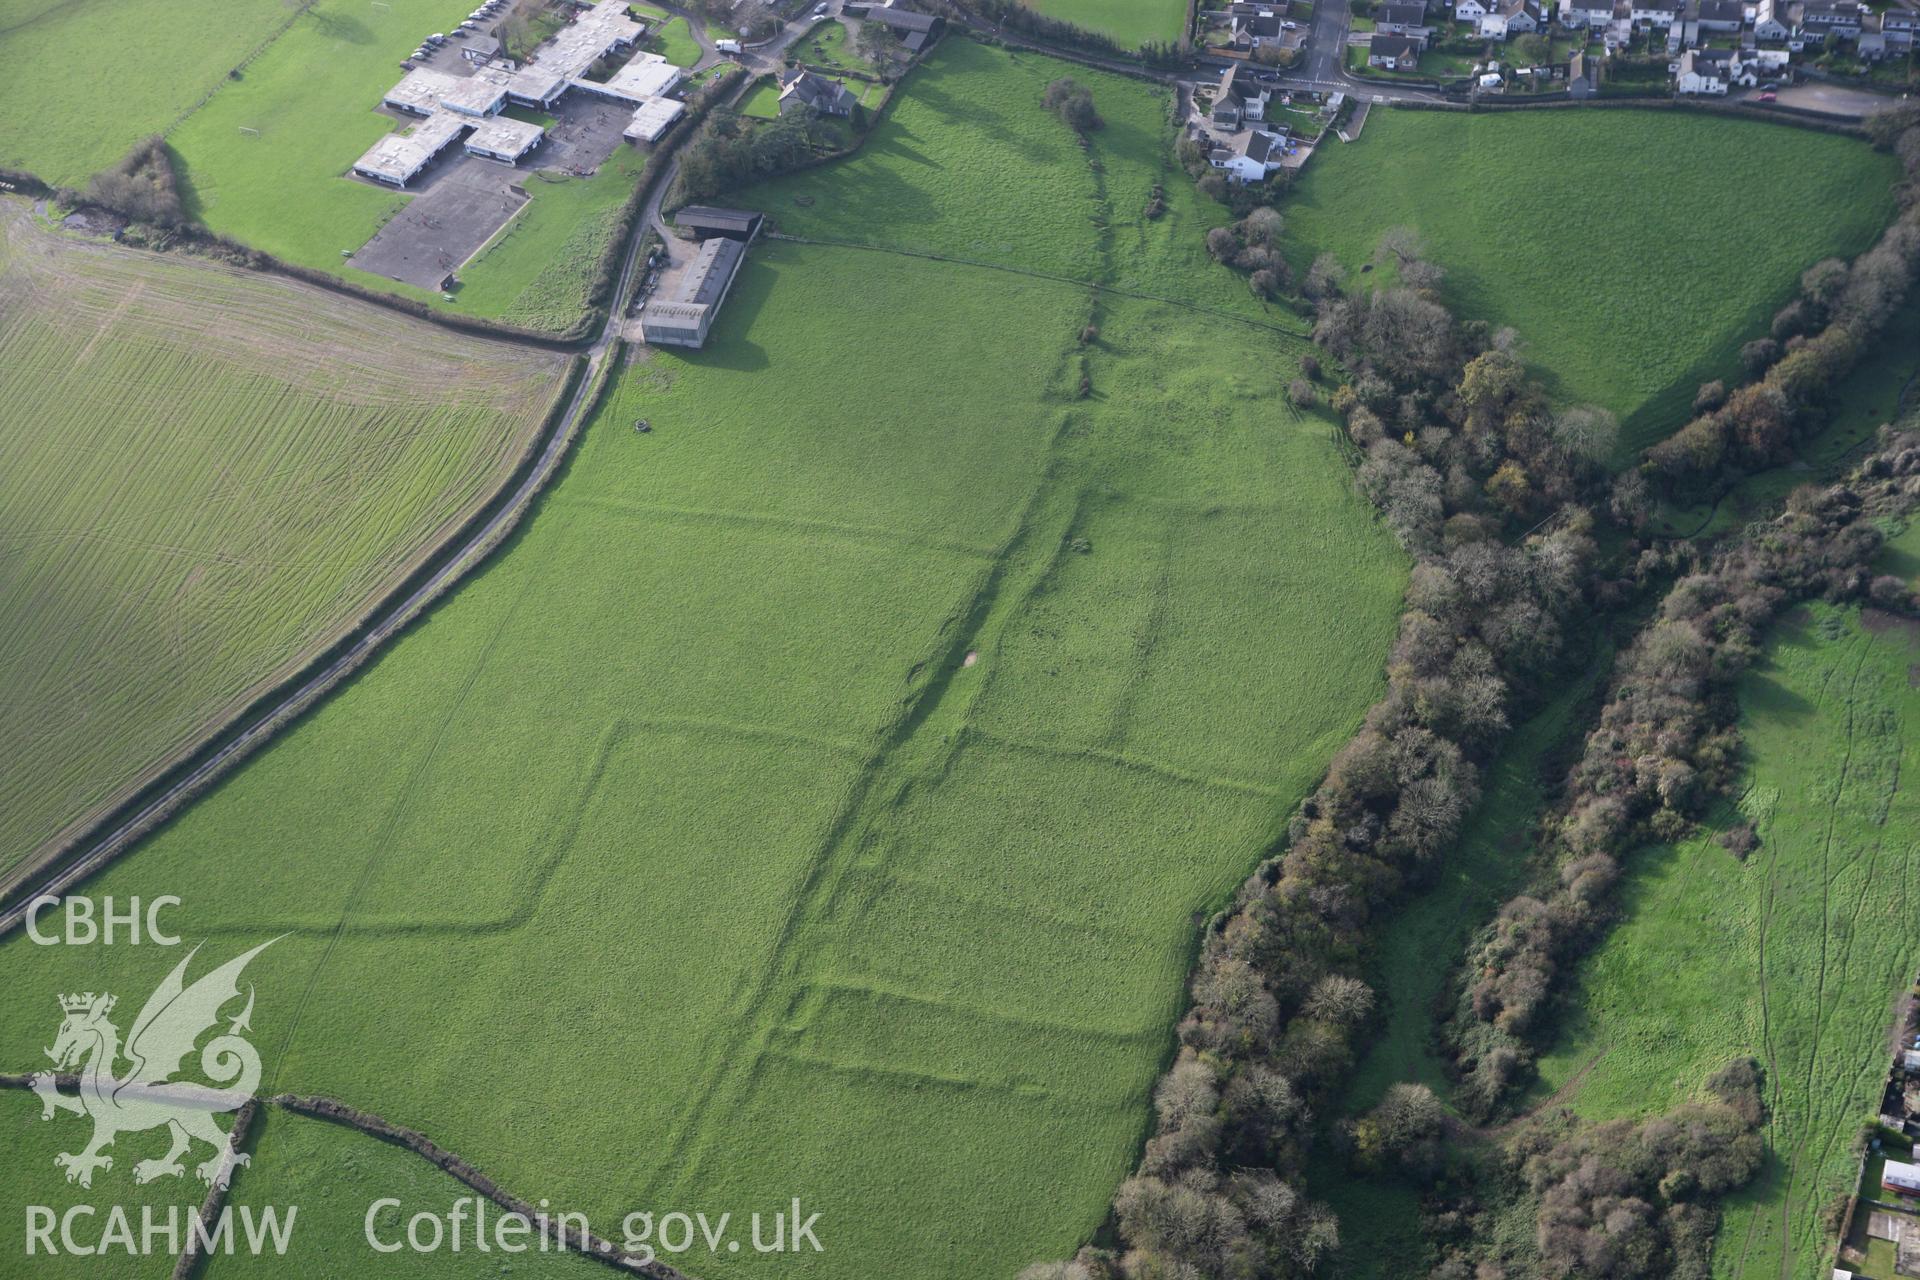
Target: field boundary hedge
x=333, y=1111
x=188, y=1263
x=23, y=183
x=1066, y=53
x=149, y=807
x=1772, y=112
x=585, y=1243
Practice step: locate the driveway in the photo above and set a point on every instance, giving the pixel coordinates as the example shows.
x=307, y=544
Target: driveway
x=1833, y=99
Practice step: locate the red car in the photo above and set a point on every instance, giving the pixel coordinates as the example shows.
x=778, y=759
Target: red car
x=1768, y=96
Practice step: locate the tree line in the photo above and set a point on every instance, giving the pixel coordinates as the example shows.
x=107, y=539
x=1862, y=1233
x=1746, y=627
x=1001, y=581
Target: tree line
x=1497, y=495
x=1015, y=16
x=1667, y=742
x=1279, y=1002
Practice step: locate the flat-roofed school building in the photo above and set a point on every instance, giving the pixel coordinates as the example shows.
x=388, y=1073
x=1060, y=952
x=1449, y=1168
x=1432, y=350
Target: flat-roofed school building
x=455, y=103
x=653, y=118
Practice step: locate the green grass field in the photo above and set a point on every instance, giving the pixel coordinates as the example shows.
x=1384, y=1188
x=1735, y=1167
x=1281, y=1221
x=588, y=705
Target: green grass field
x=1795, y=956
x=206, y=474
x=1582, y=231
x=84, y=82
x=327, y=1175
x=1131, y=22
x=29, y=1177
x=334, y=1174
x=897, y=934
x=885, y=760
x=673, y=40
x=965, y=166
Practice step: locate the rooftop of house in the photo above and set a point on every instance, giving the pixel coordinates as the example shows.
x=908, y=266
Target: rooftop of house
x=1240, y=80
x=1255, y=144
x=1392, y=46
x=1408, y=15
x=814, y=90
x=1900, y=1174
x=902, y=19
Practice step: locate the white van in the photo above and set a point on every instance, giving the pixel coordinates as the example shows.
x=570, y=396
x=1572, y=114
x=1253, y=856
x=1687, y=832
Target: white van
x=727, y=46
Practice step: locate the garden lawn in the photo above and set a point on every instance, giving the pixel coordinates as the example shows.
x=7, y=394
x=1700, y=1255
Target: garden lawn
x=966, y=165
x=1795, y=956
x=1130, y=22
x=1582, y=230
x=206, y=476
x=84, y=82
x=829, y=47
x=848, y=758
x=762, y=102
x=674, y=41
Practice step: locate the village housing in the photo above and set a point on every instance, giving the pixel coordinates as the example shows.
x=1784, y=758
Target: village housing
x=1714, y=45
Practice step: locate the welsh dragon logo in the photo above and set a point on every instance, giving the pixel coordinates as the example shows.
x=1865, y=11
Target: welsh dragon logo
x=147, y=1096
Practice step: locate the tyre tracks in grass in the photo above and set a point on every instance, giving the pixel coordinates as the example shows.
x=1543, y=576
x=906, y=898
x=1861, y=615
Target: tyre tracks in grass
x=396, y=813
x=1809, y=1109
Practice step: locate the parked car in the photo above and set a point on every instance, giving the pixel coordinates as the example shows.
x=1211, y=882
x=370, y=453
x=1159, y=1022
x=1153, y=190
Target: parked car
x=1768, y=96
